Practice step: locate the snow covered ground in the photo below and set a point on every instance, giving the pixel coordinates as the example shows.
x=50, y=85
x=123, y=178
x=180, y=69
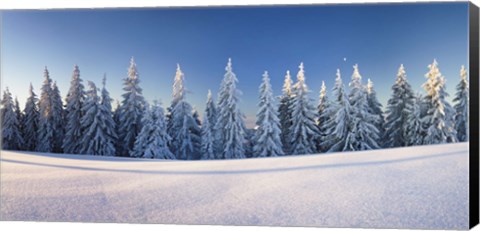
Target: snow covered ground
x=416, y=187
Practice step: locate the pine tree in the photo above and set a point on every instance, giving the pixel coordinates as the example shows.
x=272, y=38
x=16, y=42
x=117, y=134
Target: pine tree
x=439, y=114
x=20, y=116
x=324, y=114
x=95, y=141
x=11, y=135
x=178, y=94
x=197, y=134
x=304, y=132
x=230, y=126
x=116, y=120
x=30, y=121
x=249, y=142
x=366, y=134
x=57, y=119
x=267, y=137
x=152, y=142
x=285, y=113
x=375, y=108
x=397, y=111
x=72, y=141
x=45, y=128
x=184, y=123
x=339, y=126
x=131, y=111
x=413, y=127
x=184, y=130
x=109, y=127
x=461, y=107
x=209, y=146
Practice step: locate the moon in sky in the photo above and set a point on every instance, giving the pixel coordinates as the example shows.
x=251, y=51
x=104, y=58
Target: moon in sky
x=344, y=59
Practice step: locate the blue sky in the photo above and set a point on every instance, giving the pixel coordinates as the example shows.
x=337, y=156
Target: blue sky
x=377, y=37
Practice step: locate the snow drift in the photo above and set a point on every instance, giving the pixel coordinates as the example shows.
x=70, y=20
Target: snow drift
x=415, y=187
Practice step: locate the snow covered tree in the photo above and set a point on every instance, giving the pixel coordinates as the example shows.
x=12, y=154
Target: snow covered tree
x=397, y=111
x=249, y=142
x=178, y=94
x=324, y=114
x=109, y=122
x=72, y=141
x=285, y=113
x=19, y=115
x=267, y=137
x=230, y=126
x=304, y=132
x=461, y=107
x=116, y=120
x=209, y=146
x=17, y=110
x=413, y=127
x=197, y=134
x=184, y=128
x=11, y=135
x=131, y=111
x=339, y=126
x=184, y=141
x=95, y=140
x=57, y=119
x=30, y=121
x=364, y=129
x=439, y=117
x=375, y=108
x=152, y=142
x=45, y=128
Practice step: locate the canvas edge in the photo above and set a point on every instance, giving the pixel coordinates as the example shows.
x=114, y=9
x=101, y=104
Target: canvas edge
x=474, y=106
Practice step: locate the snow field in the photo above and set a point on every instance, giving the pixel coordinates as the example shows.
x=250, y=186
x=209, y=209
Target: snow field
x=416, y=187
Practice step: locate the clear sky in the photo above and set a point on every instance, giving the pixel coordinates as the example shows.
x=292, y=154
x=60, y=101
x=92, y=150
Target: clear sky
x=377, y=37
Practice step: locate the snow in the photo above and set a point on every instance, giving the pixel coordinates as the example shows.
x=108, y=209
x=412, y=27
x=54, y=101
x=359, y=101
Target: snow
x=415, y=187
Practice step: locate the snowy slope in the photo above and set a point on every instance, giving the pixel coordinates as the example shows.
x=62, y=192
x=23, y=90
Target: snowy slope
x=417, y=187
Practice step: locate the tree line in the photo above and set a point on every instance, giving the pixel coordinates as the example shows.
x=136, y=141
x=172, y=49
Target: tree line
x=349, y=121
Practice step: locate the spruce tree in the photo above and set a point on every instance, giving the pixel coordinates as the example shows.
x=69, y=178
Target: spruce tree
x=183, y=142
x=109, y=124
x=131, y=111
x=375, y=108
x=57, y=119
x=45, y=128
x=152, y=142
x=324, y=114
x=267, y=137
x=11, y=135
x=178, y=94
x=249, y=142
x=95, y=140
x=30, y=121
x=461, y=107
x=116, y=120
x=209, y=146
x=415, y=132
x=230, y=126
x=285, y=113
x=20, y=116
x=439, y=116
x=340, y=132
x=184, y=130
x=397, y=111
x=72, y=141
x=197, y=134
x=364, y=129
x=304, y=132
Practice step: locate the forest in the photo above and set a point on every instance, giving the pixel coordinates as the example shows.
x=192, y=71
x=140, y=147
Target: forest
x=351, y=119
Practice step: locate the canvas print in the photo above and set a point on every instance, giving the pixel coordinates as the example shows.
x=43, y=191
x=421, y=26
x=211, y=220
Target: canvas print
x=353, y=115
